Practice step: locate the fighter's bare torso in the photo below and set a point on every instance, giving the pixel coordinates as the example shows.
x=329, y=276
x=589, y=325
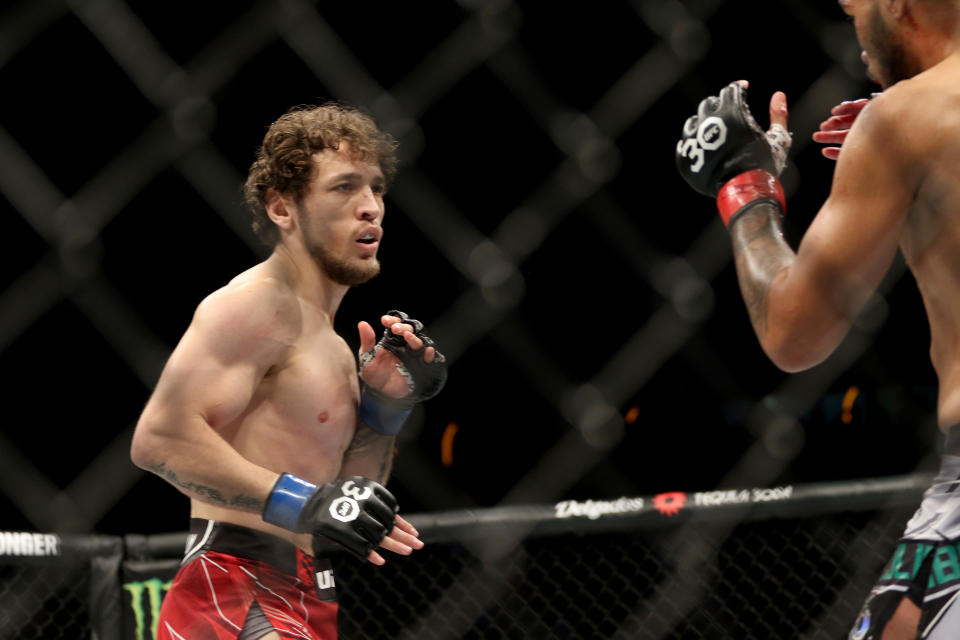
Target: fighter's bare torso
x=930, y=239
x=302, y=415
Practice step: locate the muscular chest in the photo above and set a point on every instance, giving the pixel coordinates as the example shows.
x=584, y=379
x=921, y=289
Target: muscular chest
x=318, y=388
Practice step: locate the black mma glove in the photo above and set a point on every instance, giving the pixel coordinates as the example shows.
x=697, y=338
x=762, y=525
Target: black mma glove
x=724, y=154
x=356, y=513
x=385, y=414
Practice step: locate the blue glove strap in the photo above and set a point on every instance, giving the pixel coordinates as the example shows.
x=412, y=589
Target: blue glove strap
x=286, y=501
x=380, y=416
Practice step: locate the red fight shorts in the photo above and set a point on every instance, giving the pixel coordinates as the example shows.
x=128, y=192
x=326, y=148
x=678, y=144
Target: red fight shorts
x=227, y=568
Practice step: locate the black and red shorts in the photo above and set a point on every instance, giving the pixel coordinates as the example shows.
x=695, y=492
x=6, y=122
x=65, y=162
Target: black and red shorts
x=228, y=568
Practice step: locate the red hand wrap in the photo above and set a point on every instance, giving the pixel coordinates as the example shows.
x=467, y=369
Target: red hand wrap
x=745, y=188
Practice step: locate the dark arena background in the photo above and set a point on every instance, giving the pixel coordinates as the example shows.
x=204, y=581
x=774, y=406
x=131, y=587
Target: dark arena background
x=600, y=353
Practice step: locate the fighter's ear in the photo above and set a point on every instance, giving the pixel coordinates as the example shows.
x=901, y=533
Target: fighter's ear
x=280, y=209
x=900, y=9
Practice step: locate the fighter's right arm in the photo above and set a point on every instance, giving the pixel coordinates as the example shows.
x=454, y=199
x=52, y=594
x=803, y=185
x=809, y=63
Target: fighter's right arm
x=237, y=334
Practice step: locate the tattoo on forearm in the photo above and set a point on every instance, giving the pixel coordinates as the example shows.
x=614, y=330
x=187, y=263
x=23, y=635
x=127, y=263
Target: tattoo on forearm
x=386, y=462
x=363, y=437
x=207, y=494
x=760, y=252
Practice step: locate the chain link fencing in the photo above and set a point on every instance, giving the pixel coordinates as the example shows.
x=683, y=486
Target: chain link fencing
x=45, y=602
x=583, y=296
x=786, y=562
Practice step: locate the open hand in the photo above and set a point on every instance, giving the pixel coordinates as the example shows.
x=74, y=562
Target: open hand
x=834, y=130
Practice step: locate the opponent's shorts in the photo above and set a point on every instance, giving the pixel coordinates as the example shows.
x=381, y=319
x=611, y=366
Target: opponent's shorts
x=925, y=566
x=236, y=582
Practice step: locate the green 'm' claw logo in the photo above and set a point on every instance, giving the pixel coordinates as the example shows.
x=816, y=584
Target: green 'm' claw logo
x=154, y=589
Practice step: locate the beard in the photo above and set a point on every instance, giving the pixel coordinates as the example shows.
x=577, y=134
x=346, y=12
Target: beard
x=340, y=270
x=344, y=271
x=888, y=52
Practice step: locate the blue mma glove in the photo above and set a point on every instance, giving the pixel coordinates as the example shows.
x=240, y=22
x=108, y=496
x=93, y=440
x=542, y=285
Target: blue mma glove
x=355, y=513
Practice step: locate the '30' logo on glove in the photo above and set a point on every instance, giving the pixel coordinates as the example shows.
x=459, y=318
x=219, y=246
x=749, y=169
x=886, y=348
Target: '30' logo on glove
x=711, y=134
x=722, y=140
x=346, y=508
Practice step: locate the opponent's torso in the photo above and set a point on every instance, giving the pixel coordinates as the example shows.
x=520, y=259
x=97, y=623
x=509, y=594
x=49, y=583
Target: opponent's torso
x=301, y=418
x=930, y=241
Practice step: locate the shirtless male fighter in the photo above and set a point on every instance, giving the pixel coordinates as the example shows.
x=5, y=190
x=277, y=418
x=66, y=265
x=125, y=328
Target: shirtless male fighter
x=896, y=185
x=259, y=416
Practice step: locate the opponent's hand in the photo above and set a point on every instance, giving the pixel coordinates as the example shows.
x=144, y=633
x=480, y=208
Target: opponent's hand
x=723, y=140
x=404, y=363
x=834, y=130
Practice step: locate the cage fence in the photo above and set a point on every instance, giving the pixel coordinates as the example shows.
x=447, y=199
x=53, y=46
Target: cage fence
x=787, y=562
x=156, y=110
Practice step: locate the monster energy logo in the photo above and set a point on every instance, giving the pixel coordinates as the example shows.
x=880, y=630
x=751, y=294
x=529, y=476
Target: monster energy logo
x=151, y=591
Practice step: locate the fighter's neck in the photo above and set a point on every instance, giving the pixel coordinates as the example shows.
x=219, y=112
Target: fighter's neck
x=935, y=47
x=307, y=279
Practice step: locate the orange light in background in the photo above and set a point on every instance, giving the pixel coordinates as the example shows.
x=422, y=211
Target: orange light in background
x=632, y=415
x=446, y=444
x=847, y=407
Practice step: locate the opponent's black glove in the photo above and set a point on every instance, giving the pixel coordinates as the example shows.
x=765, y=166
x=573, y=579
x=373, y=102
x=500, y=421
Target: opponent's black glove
x=723, y=140
x=385, y=414
x=356, y=513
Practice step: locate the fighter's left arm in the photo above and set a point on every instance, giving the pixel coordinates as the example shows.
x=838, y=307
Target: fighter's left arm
x=397, y=372
x=802, y=305
x=401, y=370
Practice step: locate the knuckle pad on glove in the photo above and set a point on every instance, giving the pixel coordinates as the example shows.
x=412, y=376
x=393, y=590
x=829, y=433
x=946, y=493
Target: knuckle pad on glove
x=707, y=107
x=384, y=518
x=355, y=544
x=387, y=498
x=370, y=529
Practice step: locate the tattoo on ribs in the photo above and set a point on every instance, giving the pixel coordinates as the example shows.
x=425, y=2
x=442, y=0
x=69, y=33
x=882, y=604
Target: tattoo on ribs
x=208, y=494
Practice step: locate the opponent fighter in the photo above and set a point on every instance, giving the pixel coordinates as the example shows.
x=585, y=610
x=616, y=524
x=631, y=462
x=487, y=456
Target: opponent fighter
x=259, y=416
x=896, y=184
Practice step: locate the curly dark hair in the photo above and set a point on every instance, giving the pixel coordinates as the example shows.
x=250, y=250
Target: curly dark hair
x=284, y=161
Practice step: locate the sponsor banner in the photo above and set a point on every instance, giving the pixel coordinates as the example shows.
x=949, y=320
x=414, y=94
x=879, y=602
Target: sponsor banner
x=144, y=585
x=25, y=543
x=593, y=509
x=740, y=496
x=670, y=503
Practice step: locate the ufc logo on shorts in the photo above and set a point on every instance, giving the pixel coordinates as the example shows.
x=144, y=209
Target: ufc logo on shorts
x=325, y=580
